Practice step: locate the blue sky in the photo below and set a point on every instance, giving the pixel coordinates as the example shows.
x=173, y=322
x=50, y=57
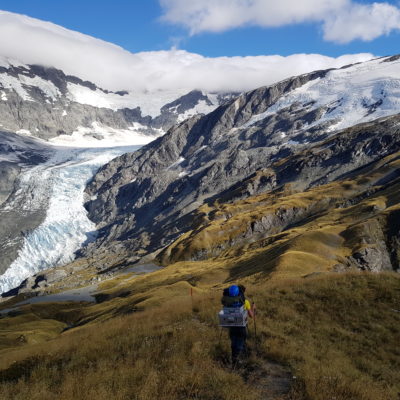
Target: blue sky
x=137, y=25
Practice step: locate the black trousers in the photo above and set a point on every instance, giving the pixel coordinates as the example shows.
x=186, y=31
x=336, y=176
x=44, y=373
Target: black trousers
x=238, y=335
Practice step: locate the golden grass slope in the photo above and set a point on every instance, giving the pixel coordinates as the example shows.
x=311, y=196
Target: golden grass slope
x=337, y=333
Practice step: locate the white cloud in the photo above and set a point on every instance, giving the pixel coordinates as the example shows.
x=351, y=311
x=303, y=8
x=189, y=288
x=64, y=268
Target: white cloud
x=365, y=22
x=343, y=20
x=32, y=41
x=220, y=15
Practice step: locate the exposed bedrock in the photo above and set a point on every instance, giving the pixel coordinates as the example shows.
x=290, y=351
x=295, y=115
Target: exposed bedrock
x=152, y=207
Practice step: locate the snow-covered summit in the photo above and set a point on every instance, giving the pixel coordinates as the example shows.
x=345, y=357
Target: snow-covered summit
x=342, y=98
x=47, y=103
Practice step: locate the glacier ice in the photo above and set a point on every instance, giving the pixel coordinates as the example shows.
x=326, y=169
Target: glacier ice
x=60, y=181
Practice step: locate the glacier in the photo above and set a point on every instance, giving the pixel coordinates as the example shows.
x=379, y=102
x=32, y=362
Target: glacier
x=59, y=182
x=351, y=95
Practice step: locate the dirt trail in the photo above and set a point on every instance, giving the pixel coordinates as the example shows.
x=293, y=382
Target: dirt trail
x=274, y=380
x=271, y=378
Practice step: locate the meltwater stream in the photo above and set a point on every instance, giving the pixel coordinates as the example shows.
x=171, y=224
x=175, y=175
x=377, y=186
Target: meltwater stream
x=61, y=182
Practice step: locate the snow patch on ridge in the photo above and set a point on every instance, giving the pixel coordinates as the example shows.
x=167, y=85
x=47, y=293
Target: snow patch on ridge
x=104, y=136
x=11, y=83
x=176, y=163
x=47, y=87
x=19, y=85
x=202, y=107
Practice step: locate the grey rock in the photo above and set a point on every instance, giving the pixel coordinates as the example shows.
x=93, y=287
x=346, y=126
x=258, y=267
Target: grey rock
x=373, y=246
x=9, y=172
x=374, y=259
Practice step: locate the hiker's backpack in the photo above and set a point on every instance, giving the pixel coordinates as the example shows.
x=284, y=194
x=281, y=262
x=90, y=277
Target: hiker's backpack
x=233, y=312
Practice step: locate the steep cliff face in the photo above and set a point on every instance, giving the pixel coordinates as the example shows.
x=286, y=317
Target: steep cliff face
x=143, y=201
x=196, y=159
x=17, y=151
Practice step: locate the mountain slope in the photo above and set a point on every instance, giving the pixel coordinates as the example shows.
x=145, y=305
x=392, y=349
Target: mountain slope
x=173, y=350
x=15, y=151
x=18, y=154
x=349, y=223
x=142, y=201
x=281, y=222
x=47, y=103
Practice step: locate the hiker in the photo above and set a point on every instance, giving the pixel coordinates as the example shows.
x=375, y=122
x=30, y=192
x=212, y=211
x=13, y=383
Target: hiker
x=238, y=334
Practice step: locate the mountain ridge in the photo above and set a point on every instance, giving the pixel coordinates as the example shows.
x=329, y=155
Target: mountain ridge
x=138, y=195
x=45, y=102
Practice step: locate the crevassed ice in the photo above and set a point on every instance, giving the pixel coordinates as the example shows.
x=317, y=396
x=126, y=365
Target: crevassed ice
x=66, y=226
x=352, y=90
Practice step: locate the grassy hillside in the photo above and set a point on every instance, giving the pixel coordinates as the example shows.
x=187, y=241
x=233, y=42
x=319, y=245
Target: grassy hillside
x=337, y=333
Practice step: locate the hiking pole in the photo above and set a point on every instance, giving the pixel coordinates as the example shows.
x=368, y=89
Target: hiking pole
x=255, y=326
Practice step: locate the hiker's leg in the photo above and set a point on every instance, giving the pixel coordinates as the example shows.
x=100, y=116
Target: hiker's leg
x=238, y=343
x=241, y=341
x=235, y=344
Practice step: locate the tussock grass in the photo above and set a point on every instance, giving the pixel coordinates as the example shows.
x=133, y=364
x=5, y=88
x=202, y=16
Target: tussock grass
x=223, y=227
x=167, y=353
x=147, y=338
x=338, y=333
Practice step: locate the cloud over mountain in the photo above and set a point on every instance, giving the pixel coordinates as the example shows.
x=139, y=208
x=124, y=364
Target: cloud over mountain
x=32, y=41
